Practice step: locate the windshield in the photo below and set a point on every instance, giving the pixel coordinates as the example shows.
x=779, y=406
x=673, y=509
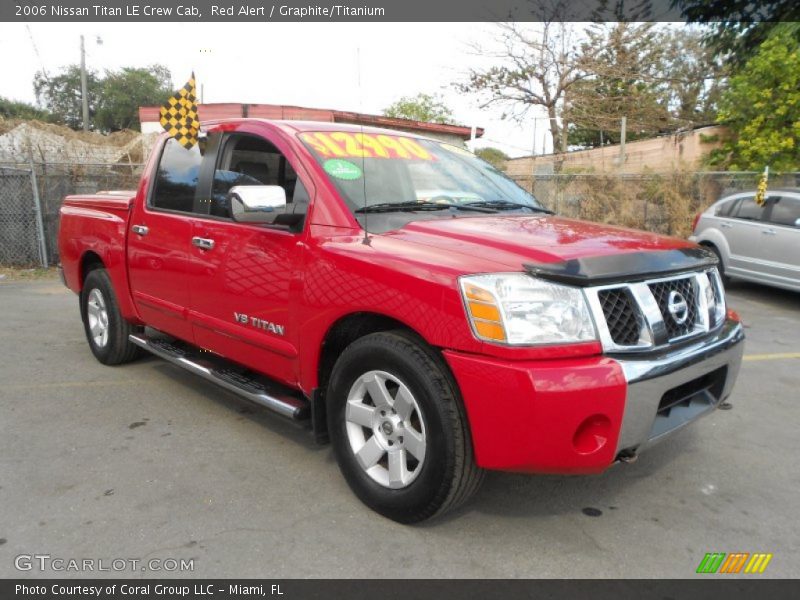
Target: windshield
x=401, y=173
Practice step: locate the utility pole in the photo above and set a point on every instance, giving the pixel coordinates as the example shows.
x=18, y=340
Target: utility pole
x=622, y=131
x=84, y=90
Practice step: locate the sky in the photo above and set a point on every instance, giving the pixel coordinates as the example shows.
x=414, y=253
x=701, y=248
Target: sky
x=303, y=64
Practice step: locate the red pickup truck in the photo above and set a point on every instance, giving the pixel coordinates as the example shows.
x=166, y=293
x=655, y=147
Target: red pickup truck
x=409, y=302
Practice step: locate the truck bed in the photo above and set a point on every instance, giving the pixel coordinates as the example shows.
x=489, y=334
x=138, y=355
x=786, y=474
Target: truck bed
x=114, y=200
x=94, y=226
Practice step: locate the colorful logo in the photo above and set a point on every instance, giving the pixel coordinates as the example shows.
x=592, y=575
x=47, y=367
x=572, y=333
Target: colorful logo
x=736, y=562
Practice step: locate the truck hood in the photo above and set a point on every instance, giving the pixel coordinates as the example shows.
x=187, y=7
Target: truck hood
x=514, y=241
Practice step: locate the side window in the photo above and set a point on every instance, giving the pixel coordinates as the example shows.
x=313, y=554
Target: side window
x=785, y=211
x=176, y=177
x=251, y=160
x=749, y=210
x=726, y=208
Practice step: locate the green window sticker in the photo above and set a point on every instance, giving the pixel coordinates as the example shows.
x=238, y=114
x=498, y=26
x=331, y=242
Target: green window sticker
x=342, y=169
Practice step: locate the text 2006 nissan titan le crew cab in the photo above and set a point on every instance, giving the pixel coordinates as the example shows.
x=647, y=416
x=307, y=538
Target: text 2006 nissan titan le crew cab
x=417, y=307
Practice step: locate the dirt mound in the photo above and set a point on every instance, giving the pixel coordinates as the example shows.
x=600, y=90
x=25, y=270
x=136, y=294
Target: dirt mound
x=118, y=138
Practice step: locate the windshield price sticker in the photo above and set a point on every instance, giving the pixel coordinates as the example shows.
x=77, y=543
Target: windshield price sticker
x=342, y=144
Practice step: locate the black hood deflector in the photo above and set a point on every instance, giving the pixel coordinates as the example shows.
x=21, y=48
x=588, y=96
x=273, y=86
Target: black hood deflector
x=627, y=267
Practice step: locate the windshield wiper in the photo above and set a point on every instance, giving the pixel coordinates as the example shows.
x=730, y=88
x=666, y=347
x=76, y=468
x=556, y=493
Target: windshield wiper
x=507, y=205
x=420, y=206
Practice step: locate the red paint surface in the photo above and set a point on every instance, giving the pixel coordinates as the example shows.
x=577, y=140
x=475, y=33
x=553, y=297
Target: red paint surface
x=524, y=416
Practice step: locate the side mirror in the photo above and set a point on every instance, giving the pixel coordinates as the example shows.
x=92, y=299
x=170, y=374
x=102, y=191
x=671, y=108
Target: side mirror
x=257, y=203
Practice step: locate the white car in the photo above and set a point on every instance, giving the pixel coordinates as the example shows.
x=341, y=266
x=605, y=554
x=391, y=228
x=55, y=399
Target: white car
x=756, y=243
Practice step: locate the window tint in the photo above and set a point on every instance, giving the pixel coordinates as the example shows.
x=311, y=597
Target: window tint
x=785, y=211
x=748, y=209
x=176, y=178
x=724, y=209
x=250, y=160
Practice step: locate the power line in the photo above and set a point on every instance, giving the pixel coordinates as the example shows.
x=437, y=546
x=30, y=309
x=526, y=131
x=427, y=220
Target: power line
x=36, y=51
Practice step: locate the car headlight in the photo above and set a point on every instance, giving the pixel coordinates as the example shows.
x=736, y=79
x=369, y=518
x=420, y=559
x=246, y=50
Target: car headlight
x=520, y=310
x=715, y=298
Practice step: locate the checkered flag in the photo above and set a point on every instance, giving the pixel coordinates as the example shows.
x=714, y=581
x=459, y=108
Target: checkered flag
x=761, y=191
x=179, y=115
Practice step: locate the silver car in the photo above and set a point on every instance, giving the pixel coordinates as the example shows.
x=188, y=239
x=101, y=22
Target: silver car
x=757, y=243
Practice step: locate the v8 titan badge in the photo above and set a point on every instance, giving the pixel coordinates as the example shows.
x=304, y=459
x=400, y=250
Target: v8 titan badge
x=259, y=323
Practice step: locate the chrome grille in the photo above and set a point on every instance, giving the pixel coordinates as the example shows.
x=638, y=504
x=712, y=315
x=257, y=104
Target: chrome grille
x=636, y=317
x=621, y=317
x=687, y=289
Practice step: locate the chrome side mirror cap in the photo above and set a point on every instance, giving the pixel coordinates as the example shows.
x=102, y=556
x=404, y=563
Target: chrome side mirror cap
x=257, y=203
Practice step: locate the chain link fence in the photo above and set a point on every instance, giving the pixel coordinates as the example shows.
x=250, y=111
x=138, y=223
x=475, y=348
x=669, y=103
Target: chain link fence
x=661, y=203
x=20, y=235
x=25, y=241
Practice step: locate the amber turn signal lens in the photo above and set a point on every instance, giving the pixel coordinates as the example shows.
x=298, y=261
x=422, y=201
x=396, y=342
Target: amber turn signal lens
x=475, y=293
x=484, y=311
x=490, y=331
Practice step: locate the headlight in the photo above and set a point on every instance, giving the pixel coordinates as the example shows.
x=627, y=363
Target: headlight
x=715, y=298
x=520, y=310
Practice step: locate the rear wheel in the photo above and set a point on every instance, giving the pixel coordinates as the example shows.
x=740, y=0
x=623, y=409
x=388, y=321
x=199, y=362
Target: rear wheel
x=106, y=330
x=398, y=428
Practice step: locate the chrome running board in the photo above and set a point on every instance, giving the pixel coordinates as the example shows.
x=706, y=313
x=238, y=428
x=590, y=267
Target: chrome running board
x=227, y=375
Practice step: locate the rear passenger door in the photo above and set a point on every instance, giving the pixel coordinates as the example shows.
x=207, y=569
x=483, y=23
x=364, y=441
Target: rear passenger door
x=781, y=239
x=159, y=239
x=743, y=231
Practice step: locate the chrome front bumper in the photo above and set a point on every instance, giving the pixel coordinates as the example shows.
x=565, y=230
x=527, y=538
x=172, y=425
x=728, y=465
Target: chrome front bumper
x=674, y=389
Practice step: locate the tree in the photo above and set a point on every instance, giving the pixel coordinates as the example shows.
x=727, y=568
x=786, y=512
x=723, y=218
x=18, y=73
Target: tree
x=123, y=92
x=693, y=76
x=114, y=98
x=11, y=109
x=494, y=156
x=422, y=107
x=762, y=107
x=739, y=27
x=622, y=80
x=661, y=80
x=535, y=68
x=61, y=94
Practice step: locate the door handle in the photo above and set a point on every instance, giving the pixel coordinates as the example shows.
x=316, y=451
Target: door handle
x=726, y=225
x=203, y=243
x=140, y=229
x=768, y=231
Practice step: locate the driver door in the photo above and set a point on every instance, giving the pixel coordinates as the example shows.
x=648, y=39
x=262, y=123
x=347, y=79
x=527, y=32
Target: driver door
x=245, y=277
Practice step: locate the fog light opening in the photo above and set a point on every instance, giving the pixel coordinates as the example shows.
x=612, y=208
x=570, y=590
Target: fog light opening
x=592, y=435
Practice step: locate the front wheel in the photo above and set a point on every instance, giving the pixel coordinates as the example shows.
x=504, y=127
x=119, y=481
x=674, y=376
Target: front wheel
x=398, y=428
x=106, y=329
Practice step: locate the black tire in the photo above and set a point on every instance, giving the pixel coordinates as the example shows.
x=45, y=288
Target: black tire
x=117, y=349
x=448, y=475
x=721, y=266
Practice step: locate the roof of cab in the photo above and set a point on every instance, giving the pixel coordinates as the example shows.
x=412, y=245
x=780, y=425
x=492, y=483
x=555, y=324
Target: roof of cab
x=292, y=126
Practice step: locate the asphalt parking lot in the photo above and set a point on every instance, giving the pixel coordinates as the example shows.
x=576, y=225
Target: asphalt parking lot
x=147, y=461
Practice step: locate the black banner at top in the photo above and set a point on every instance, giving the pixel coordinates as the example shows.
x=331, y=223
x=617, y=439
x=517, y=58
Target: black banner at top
x=386, y=10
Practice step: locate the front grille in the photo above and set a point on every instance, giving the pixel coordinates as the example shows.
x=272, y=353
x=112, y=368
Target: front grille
x=715, y=289
x=686, y=288
x=621, y=316
x=636, y=317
